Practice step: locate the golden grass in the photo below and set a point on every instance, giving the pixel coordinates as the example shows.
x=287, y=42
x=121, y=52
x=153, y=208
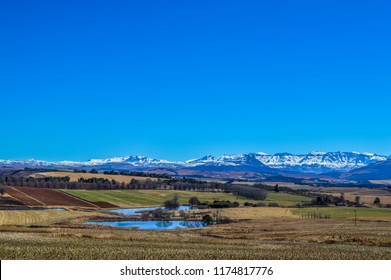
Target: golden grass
x=290, y=185
x=75, y=176
x=267, y=238
x=39, y=217
x=256, y=213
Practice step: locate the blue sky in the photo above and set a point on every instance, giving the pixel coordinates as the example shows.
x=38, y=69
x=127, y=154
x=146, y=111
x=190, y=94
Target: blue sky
x=180, y=79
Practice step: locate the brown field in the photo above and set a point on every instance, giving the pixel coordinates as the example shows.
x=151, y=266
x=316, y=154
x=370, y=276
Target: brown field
x=255, y=213
x=24, y=198
x=75, y=176
x=263, y=238
x=41, y=217
x=51, y=197
x=366, y=195
x=290, y=185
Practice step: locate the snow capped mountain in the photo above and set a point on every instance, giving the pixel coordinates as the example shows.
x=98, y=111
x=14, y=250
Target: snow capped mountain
x=239, y=162
x=130, y=161
x=313, y=162
x=320, y=161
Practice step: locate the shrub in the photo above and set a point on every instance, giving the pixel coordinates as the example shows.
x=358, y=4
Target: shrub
x=273, y=204
x=172, y=203
x=194, y=201
x=207, y=219
x=249, y=204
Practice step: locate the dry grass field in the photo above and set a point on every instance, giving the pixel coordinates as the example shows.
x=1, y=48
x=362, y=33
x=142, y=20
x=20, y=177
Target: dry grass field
x=256, y=213
x=290, y=185
x=366, y=195
x=75, y=176
x=41, y=217
x=266, y=238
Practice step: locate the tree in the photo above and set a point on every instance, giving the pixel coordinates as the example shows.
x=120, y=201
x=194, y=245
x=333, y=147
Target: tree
x=342, y=197
x=194, y=201
x=357, y=199
x=172, y=203
x=276, y=188
x=376, y=201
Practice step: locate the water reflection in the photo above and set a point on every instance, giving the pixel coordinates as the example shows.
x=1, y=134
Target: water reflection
x=138, y=211
x=152, y=225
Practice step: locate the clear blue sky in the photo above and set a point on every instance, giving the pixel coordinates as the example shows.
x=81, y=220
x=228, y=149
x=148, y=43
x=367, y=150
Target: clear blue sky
x=180, y=79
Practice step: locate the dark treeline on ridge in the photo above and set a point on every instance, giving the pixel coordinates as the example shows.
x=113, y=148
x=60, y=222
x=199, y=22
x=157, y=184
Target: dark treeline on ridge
x=183, y=184
x=124, y=173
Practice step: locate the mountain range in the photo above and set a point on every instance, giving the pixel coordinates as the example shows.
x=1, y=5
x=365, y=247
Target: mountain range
x=313, y=162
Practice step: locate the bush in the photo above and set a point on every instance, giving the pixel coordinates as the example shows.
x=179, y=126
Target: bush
x=203, y=205
x=223, y=204
x=160, y=214
x=172, y=203
x=260, y=204
x=249, y=204
x=194, y=201
x=273, y=204
x=207, y=219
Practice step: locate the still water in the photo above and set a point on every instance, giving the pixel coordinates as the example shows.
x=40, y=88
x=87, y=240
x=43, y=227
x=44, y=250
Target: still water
x=137, y=211
x=151, y=225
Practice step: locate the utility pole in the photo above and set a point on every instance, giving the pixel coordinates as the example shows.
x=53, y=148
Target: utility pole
x=355, y=217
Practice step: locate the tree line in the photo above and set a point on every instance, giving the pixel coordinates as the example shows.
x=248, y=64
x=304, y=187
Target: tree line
x=96, y=183
x=124, y=173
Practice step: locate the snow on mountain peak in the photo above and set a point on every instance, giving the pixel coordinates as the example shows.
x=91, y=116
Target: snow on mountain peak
x=316, y=162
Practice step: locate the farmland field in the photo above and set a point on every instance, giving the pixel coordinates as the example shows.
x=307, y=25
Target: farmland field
x=252, y=233
x=285, y=199
x=40, y=217
x=383, y=214
x=51, y=197
x=136, y=198
x=366, y=195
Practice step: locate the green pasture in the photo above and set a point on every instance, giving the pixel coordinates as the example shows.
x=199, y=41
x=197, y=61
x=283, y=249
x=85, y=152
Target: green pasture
x=140, y=198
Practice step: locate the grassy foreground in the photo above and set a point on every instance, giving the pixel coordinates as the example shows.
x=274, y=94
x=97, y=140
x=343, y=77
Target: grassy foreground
x=140, y=198
x=266, y=238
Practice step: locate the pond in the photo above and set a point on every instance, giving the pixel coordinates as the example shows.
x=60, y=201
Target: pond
x=137, y=211
x=54, y=209
x=151, y=225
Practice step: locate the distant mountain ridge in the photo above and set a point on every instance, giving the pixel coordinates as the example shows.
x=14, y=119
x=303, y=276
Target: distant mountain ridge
x=380, y=170
x=313, y=162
